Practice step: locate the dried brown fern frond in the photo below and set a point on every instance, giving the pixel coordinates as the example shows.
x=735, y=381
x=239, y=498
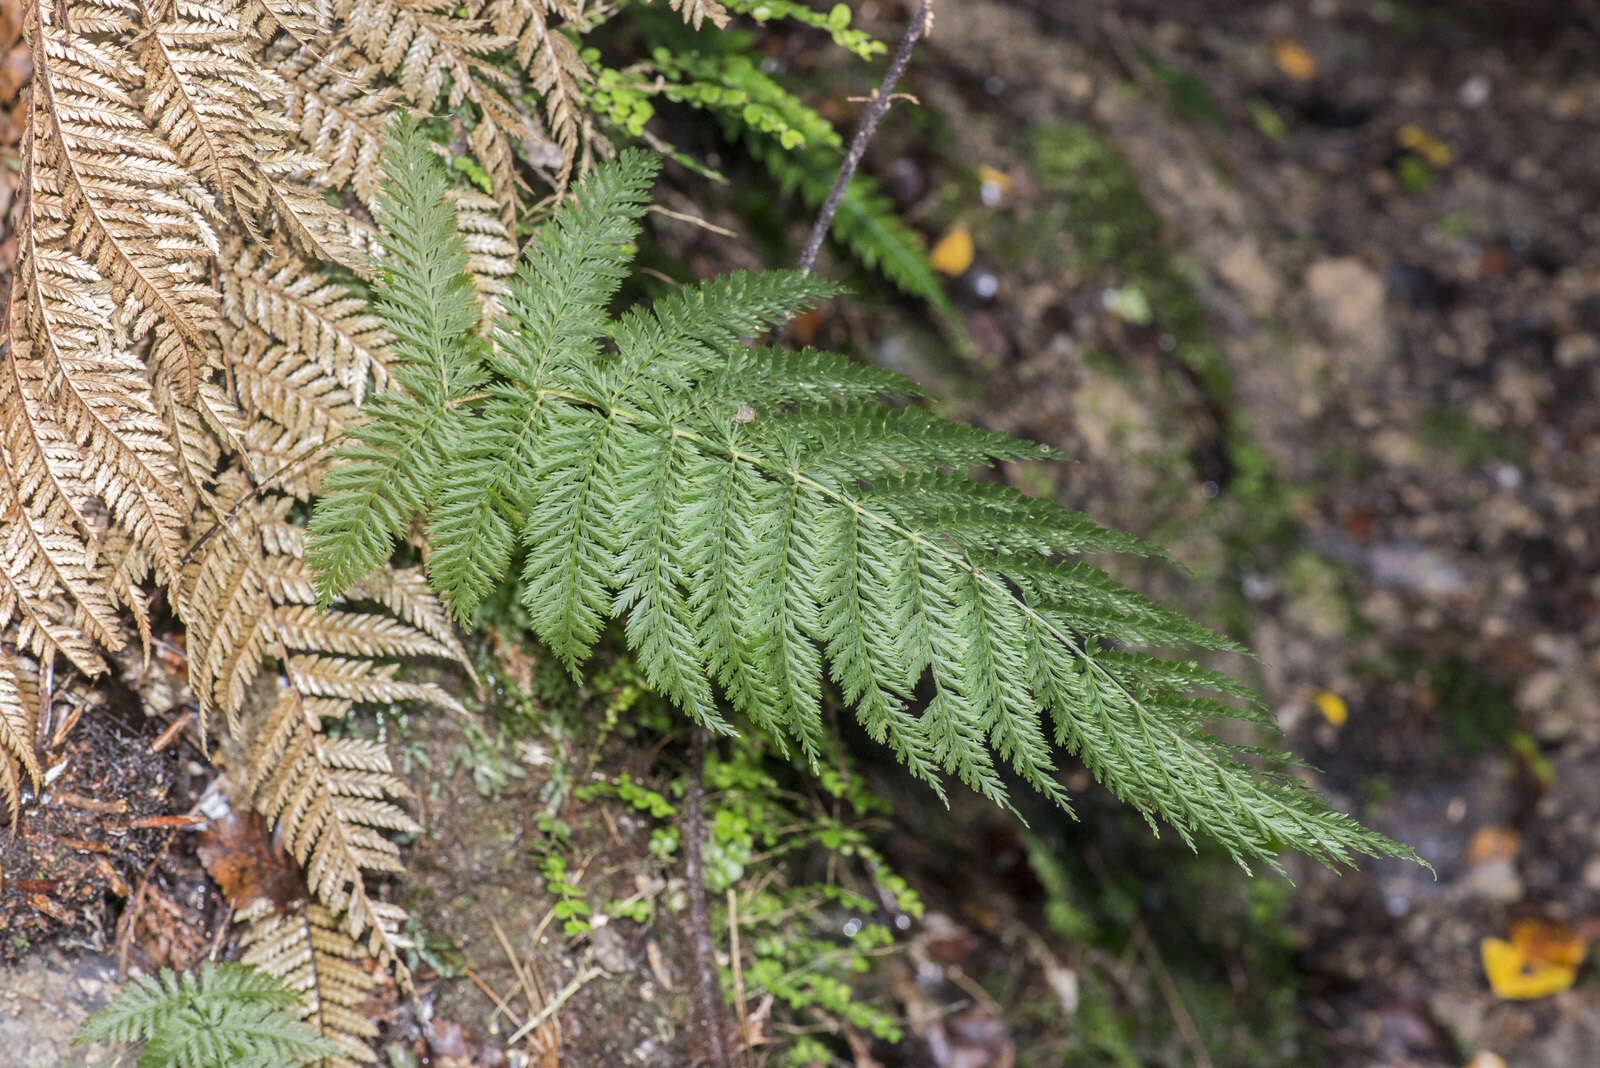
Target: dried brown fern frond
x=73, y=385
x=305, y=947
x=332, y=800
x=178, y=354
x=294, y=408
x=554, y=69
x=112, y=189
x=206, y=97
x=248, y=595
x=338, y=106
x=697, y=11
x=285, y=298
x=53, y=577
x=491, y=251
x=222, y=111
x=420, y=44
x=18, y=723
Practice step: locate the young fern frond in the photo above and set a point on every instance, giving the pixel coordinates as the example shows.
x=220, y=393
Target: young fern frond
x=224, y=1014
x=765, y=521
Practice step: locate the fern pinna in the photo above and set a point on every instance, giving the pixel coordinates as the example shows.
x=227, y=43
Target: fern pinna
x=759, y=516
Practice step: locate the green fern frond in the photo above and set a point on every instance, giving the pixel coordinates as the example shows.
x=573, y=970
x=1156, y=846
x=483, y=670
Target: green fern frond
x=835, y=21
x=766, y=522
x=224, y=1014
x=799, y=147
x=386, y=471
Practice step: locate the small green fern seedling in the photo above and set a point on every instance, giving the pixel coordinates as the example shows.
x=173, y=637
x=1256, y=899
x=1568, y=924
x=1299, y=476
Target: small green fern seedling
x=226, y=1014
x=766, y=520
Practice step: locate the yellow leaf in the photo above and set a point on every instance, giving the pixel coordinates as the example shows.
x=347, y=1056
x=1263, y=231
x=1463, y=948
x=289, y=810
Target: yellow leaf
x=1294, y=60
x=1424, y=144
x=1516, y=977
x=953, y=254
x=1332, y=707
x=1486, y=1059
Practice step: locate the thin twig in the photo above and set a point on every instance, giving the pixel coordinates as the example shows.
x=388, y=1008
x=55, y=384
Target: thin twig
x=490, y=992
x=921, y=23
x=692, y=220
x=740, y=1006
x=553, y=1005
x=703, y=991
x=1171, y=995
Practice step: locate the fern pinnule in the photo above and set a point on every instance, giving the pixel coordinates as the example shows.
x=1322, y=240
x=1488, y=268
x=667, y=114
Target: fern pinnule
x=697, y=11
x=18, y=722
x=421, y=44
x=204, y=95
x=338, y=108
x=564, y=306
x=283, y=298
x=553, y=67
x=491, y=250
x=80, y=425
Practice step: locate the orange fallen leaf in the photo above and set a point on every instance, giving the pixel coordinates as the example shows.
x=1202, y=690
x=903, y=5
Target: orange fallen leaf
x=953, y=254
x=1293, y=59
x=237, y=851
x=1492, y=843
x=1332, y=707
x=1548, y=943
x=1541, y=959
x=1486, y=1059
x=803, y=327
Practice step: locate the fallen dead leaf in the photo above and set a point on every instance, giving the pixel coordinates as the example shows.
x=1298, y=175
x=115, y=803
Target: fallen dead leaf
x=1541, y=959
x=1293, y=60
x=1492, y=843
x=1332, y=707
x=1546, y=942
x=953, y=253
x=237, y=850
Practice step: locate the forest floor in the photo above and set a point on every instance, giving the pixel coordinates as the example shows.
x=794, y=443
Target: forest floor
x=1312, y=293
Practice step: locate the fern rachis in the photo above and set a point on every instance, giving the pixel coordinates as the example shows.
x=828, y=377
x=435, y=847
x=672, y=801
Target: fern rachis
x=764, y=520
